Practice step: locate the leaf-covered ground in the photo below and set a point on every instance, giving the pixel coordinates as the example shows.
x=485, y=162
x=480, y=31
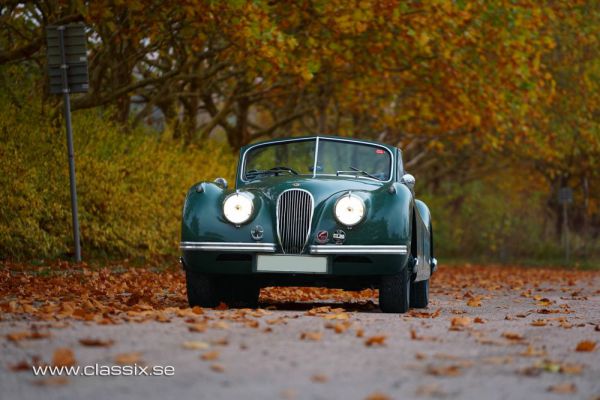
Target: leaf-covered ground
x=489, y=332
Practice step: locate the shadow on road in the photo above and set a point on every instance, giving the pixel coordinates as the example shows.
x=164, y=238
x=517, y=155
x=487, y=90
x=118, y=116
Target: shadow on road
x=365, y=307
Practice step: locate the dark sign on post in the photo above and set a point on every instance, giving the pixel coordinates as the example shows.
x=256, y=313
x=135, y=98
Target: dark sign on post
x=565, y=195
x=67, y=73
x=75, y=51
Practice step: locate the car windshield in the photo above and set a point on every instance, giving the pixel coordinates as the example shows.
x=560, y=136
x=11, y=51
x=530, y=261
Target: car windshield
x=333, y=158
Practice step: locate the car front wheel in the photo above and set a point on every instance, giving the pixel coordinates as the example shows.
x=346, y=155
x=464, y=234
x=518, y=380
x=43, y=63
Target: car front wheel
x=419, y=294
x=239, y=294
x=201, y=290
x=394, y=292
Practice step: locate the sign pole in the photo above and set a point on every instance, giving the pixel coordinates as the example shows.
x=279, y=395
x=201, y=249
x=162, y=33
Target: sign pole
x=67, y=103
x=565, y=196
x=566, y=233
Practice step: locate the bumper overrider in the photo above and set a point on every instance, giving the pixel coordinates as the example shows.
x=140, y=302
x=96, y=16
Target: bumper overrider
x=342, y=259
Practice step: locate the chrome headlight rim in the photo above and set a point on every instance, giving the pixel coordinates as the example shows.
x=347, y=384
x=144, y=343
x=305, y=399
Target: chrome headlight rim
x=351, y=196
x=249, y=214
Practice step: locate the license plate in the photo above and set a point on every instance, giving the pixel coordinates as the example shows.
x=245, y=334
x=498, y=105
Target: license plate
x=292, y=264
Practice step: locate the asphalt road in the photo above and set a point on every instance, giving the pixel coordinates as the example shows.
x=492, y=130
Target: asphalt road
x=488, y=342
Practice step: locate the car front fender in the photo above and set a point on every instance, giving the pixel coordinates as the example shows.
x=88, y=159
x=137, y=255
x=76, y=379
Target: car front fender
x=387, y=220
x=203, y=219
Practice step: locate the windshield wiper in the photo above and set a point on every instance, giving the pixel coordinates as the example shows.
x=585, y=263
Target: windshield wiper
x=284, y=169
x=363, y=172
x=255, y=173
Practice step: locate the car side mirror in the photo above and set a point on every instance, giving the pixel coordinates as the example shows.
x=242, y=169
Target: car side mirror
x=408, y=180
x=221, y=182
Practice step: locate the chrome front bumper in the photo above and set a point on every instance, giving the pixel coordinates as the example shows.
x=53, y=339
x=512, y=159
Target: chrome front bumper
x=229, y=246
x=314, y=249
x=358, y=249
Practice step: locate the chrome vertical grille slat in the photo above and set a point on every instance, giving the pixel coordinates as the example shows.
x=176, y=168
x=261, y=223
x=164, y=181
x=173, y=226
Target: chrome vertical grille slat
x=294, y=216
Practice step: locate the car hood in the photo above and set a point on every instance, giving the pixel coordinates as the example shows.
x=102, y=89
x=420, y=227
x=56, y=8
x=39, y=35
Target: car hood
x=321, y=187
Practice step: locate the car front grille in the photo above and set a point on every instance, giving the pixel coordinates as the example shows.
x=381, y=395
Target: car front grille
x=294, y=215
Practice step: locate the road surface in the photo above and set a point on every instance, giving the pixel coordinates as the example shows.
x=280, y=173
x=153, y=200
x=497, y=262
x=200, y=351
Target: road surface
x=489, y=333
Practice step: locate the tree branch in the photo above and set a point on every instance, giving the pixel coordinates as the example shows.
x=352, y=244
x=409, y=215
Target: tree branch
x=31, y=48
x=91, y=100
x=282, y=122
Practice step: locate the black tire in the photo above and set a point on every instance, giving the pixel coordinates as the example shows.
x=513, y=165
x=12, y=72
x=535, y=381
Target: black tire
x=201, y=290
x=238, y=294
x=394, y=292
x=419, y=294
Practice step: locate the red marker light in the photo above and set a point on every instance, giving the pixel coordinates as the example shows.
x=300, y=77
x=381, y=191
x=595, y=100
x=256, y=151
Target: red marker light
x=379, y=151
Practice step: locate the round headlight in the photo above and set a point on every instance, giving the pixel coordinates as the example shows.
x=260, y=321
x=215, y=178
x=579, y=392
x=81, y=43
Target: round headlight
x=238, y=208
x=349, y=209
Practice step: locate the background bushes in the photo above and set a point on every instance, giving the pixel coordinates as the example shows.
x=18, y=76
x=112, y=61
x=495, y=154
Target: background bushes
x=494, y=104
x=131, y=185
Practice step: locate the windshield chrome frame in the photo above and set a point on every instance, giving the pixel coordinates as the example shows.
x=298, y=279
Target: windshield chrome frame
x=316, y=139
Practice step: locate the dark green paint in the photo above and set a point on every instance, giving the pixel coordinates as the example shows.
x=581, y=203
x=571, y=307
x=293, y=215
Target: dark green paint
x=387, y=222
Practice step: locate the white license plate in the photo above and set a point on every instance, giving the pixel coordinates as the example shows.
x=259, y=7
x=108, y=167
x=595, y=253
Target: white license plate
x=285, y=263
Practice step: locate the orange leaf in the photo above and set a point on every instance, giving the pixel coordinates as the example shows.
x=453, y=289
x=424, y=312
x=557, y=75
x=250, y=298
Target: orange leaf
x=128, y=358
x=197, y=310
x=512, y=336
x=572, y=369
x=91, y=342
x=539, y=322
x=378, y=396
x=52, y=381
x=563, y=388
x=20, y=366
x=378, y=340
x=342, y=316
x=195, y=345
x=533, y=352
x=200, y=327
x=448, y=370
x=459, y=323
x=224, y=341
x=315, y=336
x=217, y=368
x=18, y=336
x=63, y=357
x=586, y=345
x=210, y=356
x=474, y=302
x=319, y=378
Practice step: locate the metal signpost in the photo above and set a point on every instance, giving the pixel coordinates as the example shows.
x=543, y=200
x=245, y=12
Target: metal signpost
x=565, y=196
x=67, y=72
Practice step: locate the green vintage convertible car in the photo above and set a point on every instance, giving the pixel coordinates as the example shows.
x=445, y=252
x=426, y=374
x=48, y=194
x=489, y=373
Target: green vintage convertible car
x=309, y=211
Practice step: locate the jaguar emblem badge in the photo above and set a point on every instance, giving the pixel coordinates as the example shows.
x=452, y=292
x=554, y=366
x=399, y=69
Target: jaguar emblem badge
x=322, y=237
x=295, y=184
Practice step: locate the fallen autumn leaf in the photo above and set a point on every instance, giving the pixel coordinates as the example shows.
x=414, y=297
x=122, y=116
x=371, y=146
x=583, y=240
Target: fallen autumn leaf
x=586, y=345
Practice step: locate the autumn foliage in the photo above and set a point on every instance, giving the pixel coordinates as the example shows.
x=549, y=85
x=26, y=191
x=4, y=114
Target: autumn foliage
x=495, y=105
